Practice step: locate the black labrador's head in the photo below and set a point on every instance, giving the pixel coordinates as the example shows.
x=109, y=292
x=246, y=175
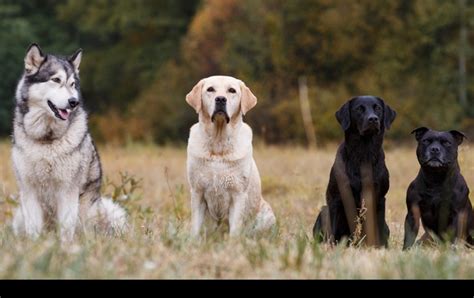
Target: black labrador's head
x=368, y=115
x=437, y=149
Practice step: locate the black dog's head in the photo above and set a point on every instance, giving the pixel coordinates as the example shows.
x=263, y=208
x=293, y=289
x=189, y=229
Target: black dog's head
x=437, y=149
x=369, y=115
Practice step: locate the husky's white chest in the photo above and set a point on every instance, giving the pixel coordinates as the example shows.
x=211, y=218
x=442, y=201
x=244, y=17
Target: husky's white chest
x=45, y=168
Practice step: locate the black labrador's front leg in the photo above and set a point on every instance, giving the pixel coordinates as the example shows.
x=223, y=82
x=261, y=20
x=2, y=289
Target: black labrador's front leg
x=322, y=227
x=412, y=225
x=383, y=230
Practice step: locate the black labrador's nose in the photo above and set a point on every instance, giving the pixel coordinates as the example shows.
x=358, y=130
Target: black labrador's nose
x=435, y=150
x=373, y=119
x=73, y=102
x=221, y=99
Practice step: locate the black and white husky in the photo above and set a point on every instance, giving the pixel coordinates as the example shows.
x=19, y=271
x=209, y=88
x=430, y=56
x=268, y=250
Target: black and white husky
x=55, y=160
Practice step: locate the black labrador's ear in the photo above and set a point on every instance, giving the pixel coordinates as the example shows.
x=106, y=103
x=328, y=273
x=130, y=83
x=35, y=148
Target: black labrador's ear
x=343, y=115
x=388, y=114
x=420, y=132
x=458, y=136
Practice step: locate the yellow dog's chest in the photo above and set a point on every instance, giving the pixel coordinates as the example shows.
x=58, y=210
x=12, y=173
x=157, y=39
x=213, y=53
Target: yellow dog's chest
x=220, y=182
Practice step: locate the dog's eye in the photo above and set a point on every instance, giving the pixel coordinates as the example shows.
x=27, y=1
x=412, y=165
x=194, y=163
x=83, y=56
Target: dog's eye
x=446, y=143
x=211, y=89
x=426, y=141
x=361, y=108
x=231, y=90
x=377, y=108
x=72, y=84
x=56, y=80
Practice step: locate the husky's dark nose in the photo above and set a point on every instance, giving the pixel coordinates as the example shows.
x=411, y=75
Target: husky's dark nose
x=221, y=100
x=73, y=102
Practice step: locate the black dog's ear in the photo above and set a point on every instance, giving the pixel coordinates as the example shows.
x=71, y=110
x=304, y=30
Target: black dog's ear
x=343, y=115
x=420, y=132
x=458, y=136
x=388, y=114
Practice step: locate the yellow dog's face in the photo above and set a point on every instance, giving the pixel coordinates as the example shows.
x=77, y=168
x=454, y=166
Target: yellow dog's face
x=221, y=98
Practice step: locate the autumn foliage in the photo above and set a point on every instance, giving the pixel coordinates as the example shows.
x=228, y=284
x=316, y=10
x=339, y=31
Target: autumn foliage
x=141, y=59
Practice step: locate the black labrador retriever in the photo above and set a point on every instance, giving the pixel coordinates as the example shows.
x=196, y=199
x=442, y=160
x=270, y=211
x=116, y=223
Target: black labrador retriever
x=439, y=195
x=358, y=171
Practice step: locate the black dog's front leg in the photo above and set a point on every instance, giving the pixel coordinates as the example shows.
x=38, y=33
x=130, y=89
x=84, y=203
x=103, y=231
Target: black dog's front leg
x=462, y=224
x=384, y=231
x=322, y=226
x=412, y=225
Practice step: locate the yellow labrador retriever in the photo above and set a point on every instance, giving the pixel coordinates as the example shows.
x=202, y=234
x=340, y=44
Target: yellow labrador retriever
x=222, y=174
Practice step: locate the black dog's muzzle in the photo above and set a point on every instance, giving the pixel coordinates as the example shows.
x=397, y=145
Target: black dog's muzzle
x=435, y=158
x=220, y=109
x=371, y=125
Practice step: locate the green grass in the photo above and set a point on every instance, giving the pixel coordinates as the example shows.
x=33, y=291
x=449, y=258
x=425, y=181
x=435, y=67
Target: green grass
x=155, y=193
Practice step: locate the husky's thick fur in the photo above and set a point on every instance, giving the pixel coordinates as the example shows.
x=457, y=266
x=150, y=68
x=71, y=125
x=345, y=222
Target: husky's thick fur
x=55, y=160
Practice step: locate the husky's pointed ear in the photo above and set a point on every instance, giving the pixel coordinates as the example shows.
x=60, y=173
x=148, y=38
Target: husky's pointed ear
x=33, y=59
x=458, y=136
x=343, y=115
x=420, y=132
x=248, y=100
x=194, y=97
x=75, y=59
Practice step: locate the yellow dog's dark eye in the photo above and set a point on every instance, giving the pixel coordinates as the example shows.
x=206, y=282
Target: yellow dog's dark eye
x=56, y=80
x=232, y=90
x=210, y=89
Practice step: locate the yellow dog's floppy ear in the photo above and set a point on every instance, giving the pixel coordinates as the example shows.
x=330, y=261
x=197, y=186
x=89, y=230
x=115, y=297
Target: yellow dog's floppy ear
x=194, y=97
x=248, y=100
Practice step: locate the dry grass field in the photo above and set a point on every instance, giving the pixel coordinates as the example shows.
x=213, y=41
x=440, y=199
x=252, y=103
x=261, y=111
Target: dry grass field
x=156, y=197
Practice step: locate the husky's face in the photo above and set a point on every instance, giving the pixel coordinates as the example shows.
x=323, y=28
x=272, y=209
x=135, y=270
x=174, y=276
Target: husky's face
x=50, y=83
x=221, y=99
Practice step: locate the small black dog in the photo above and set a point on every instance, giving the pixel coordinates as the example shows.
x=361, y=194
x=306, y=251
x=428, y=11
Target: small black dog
x=359, y=165
x=439, y=195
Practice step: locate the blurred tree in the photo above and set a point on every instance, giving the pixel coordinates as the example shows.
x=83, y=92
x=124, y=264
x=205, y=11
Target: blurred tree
x=142, y=57
x=21, y=23
x=13, y=30
x=404, y=51
x=125, y=42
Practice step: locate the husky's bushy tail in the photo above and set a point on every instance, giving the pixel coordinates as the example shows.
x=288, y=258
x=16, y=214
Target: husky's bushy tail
x=107, y=216
x=103, y=216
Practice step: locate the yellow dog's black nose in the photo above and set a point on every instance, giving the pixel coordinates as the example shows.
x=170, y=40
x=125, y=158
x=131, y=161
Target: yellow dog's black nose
x=221, y=99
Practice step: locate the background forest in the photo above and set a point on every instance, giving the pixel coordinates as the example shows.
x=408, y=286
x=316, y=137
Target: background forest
x=142, y=57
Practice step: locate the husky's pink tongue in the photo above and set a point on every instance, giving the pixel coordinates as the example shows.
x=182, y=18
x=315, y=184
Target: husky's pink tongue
x=64, y=113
